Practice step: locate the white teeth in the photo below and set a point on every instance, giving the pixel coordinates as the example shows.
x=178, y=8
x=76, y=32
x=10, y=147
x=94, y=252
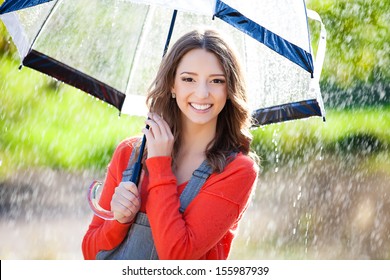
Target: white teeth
x=200, y=106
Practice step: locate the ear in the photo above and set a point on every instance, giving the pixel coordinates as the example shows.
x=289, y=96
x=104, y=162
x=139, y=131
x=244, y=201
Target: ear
x=173, y=94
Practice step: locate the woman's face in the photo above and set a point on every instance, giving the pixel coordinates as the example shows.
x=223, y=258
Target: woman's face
x=200, y=87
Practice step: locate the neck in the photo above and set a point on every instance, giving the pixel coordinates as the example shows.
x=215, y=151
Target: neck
x=195, y=138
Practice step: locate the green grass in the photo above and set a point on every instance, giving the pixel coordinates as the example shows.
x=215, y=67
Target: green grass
x=49, y=124
x=361, y=131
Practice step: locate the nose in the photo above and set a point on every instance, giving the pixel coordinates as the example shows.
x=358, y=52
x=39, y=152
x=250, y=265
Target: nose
x=202, y=90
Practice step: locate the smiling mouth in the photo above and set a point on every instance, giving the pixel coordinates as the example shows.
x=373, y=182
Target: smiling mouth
x=201, y=107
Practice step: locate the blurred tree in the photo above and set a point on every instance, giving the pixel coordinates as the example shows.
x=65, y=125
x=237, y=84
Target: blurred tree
x=356, y=70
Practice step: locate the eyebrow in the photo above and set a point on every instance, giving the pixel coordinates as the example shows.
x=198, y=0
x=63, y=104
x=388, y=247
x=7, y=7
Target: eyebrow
x=195, y=74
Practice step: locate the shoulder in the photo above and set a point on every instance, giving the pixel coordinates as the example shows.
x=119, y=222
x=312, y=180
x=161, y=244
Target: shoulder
x=127, y=144
x=244, y=164
x=242, y=170
x=236, y=182
x=123, y=150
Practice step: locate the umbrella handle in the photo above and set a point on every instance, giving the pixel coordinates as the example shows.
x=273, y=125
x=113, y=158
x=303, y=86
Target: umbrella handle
x=93, y=200
x=137, y=168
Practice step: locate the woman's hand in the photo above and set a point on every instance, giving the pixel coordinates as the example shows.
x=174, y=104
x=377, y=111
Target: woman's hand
x=159, y=136
x=125, y=202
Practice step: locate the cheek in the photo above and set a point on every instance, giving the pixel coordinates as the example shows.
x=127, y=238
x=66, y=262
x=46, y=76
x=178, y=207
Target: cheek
x=223, y=96
x=180, y=102
x=223, y=104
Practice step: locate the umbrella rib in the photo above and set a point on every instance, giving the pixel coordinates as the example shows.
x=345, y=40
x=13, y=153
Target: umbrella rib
x=170, y=32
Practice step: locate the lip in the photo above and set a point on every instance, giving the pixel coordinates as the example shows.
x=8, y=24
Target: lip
x=199, y=107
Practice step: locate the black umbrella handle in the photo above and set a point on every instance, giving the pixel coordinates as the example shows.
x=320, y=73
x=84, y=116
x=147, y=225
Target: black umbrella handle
x=137, y=168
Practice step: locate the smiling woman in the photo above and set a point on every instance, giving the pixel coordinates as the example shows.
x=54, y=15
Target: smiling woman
x=199, y=172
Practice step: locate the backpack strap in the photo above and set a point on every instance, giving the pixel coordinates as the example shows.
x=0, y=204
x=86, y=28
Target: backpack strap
x=126, y=175
x=198, y=178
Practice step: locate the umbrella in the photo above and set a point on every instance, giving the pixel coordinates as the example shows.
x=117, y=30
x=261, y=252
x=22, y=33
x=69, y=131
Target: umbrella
x=111, y=49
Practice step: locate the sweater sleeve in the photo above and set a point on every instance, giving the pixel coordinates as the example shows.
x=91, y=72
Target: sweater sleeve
x=214, y=211
x=102, y=234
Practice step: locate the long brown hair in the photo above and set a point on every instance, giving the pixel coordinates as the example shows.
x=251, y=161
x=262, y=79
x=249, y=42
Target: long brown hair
x=232, y=133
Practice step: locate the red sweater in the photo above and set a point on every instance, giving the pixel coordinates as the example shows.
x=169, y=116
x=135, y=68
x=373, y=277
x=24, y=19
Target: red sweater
x=204, y=231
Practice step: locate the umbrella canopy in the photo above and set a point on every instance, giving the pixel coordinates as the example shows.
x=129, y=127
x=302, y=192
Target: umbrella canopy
x=111, y=49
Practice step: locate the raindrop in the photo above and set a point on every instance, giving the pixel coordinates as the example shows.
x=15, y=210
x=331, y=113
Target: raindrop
x=275, y=142
x=299, y=193
x=308, y=218
x=320, y=154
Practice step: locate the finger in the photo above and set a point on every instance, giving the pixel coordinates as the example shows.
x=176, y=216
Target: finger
x=163, y=125
x=116, y=206
x=153, y=128
x=124, y=206
x=121, y=212
x=122, y=194
x=148, y=134
x=127, y=197
x=130, y=186
x=166, y=134
x=124, y=198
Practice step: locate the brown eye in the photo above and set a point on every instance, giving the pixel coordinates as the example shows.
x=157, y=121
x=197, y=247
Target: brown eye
x=188, y=80
x=218, y=81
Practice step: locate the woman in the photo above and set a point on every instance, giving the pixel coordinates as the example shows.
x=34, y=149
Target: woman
x=198, y=114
